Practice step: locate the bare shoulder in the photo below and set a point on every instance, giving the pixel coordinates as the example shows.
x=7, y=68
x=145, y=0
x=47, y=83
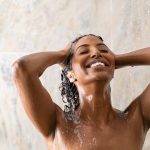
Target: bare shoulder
x=132, y=110
x=139, y=108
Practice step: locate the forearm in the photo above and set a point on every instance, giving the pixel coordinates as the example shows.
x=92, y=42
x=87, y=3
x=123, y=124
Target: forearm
x=36, y=100
x=36, y=63
x=138, y=57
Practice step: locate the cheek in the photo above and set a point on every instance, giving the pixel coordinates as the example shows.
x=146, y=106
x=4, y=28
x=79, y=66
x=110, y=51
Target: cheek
x=78, y=70
x=78, y=65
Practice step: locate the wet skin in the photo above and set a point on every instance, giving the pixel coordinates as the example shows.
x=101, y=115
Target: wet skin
x=98, y=126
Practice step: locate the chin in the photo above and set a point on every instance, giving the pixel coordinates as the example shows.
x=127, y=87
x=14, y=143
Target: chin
x=102, y=78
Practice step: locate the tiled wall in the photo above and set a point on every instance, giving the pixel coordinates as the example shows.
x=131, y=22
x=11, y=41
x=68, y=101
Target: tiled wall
x=44, y=25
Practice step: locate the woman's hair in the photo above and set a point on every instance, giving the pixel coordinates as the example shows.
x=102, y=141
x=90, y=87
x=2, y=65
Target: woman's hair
x=69, y=92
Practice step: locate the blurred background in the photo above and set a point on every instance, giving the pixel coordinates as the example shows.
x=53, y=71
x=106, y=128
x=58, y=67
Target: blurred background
x=44, y=25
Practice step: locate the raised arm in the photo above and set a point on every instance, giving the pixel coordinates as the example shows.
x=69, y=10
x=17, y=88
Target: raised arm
x=35, y=99
x=138, y=57
x=134, y=58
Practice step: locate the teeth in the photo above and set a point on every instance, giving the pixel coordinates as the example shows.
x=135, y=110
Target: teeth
x=97, y=63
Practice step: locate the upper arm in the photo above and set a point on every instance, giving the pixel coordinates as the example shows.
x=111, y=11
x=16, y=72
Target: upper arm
x=145, y=105
x=36, y=101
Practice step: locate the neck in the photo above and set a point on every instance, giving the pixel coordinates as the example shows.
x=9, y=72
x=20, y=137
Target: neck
x=95, y=103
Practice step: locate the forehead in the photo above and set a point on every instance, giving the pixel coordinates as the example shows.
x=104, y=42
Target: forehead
x=88, y=40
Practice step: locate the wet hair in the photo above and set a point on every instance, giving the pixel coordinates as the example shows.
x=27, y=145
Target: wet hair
x=69, y=92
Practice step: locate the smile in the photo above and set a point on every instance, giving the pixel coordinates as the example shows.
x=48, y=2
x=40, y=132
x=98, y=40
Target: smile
x=97, y=64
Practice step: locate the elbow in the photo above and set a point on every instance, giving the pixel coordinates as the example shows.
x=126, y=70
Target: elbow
x=18, y=69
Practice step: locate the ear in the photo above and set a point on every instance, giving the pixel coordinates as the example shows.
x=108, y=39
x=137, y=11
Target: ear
x=71, y=76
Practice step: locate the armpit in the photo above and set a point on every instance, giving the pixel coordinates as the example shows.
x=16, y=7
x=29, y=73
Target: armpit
x=145, y=105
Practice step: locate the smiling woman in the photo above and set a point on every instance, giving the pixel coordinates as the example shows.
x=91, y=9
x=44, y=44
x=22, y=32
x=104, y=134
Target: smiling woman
x=88, y=122
x=68, y=89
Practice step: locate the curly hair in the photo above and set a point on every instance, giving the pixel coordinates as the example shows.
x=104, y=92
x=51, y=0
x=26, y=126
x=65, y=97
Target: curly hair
x=69, y=92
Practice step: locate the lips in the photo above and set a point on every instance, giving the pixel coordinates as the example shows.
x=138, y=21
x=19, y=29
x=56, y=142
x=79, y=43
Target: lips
x=95, y=62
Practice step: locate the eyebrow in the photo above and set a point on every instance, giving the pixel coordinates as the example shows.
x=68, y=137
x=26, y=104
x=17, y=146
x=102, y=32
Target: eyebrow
x=86, y=45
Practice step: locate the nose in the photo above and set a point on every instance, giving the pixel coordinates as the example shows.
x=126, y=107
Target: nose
x=96, y=54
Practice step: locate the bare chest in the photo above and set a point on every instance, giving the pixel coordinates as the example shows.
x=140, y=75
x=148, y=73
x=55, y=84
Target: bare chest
x=83, y=137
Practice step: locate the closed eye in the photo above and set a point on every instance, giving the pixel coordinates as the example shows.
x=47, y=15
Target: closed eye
x=83, y=52
x=103, y=50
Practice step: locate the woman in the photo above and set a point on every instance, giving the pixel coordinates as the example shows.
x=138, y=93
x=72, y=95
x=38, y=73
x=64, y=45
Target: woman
x=88, y=122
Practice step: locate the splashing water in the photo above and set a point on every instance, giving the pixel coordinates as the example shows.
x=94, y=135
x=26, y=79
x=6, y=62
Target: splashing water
x=77, y=132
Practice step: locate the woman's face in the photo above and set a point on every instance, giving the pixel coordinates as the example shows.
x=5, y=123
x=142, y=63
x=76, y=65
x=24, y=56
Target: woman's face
x=92, y=61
